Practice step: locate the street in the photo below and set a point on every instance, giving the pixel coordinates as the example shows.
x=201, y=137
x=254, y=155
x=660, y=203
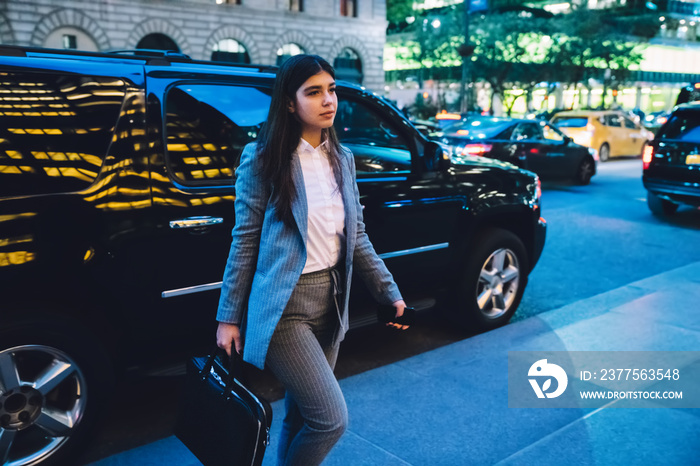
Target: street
x=603, y=236
x=600, y=237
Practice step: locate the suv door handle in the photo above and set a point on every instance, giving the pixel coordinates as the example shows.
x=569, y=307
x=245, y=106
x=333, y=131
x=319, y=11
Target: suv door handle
x=195, y=222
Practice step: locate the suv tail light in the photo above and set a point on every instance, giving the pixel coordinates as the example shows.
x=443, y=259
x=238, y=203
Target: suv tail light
x=476, y=149
x=647, y=156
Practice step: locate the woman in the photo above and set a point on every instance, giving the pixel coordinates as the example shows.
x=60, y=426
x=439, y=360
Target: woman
x=298, y=234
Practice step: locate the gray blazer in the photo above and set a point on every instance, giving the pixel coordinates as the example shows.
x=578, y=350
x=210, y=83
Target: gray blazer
x=267, y=257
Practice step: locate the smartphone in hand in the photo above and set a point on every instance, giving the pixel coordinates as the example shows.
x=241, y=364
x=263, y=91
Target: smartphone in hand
x=387, y=313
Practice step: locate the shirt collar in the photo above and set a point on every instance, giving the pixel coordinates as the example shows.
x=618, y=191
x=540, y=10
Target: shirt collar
x=304, y=146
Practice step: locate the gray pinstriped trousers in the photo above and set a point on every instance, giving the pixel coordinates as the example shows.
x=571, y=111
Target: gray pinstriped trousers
x=302, y=357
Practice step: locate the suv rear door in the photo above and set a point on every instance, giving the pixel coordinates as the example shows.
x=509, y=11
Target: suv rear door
x=200, y=129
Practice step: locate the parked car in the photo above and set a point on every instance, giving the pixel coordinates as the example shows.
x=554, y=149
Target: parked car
x=544, y=114
x=689, y=93
x=610, y=132
x=655, y=120
x=116, y=210
x=531, y=144
x=671, y=162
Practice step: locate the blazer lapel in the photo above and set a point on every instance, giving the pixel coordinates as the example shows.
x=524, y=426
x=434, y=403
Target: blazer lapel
x=350, y=206
x=300, y=206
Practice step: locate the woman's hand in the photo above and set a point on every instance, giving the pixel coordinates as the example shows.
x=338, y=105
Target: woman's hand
x=399, y=305
x=227, y=334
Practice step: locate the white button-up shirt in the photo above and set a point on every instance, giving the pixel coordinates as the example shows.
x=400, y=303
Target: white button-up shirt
x=326, y=221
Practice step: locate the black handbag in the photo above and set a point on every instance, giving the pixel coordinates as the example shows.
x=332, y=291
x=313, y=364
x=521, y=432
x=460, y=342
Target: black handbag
x=221, y=421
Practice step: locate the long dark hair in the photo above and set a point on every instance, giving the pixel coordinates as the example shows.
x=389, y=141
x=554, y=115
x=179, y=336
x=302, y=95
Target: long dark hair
x=279, y=137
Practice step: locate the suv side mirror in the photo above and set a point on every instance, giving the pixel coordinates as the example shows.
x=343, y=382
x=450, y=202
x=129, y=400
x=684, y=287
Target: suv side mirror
x=435, y=157
x=567, y=140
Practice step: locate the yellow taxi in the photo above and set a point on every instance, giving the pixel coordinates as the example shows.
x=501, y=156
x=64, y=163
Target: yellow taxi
x=610, y=132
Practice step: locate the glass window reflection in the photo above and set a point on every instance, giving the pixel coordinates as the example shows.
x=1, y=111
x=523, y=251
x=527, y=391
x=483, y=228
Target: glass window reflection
x=58, y=128
x=207, y=127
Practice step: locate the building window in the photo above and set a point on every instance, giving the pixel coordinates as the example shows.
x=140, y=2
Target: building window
x=70, y=41
x=287, y=51
x=157, y=41
x=296, y=5
x=348, y=8
x=231, y=51
x=348, y=66
x=230, y=2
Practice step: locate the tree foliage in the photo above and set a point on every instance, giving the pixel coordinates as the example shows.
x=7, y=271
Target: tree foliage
x=398, y=10
x=511, y=48
x=431, y=40
x=519, y=48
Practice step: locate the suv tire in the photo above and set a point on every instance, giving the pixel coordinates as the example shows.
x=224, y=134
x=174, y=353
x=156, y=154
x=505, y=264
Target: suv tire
x=660, y=207
x=494, y=280
x=585, y=171
x=67, y=398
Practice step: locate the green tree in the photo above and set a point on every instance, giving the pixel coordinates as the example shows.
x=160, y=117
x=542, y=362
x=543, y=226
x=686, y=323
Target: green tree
x=431, y=40
x=398, y=10
x=590, y=46
x=511, y=48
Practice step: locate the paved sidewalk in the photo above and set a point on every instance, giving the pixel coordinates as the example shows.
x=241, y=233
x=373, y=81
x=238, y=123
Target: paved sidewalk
x=449, y=406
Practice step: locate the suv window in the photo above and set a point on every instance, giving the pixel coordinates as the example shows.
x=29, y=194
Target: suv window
x=55, y=130
x=552, y=134
x=612, y=120
x=570, y=121
x=526, y=131
x=630, y=124
x=682, y=125
x=206, y=128
x=377, y=145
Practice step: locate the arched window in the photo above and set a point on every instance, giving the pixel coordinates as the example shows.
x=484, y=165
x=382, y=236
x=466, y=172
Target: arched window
x=157, y=41
x=287, y=51
x=348, y=66
x=230, y=50
x=67, y=37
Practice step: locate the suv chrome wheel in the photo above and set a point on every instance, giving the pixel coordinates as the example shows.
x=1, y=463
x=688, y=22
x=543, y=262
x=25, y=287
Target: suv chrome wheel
x=42, y=399
x=498, y=283
x=494, y=280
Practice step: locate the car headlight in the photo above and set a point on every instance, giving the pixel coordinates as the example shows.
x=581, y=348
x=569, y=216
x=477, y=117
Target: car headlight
x=594, y=153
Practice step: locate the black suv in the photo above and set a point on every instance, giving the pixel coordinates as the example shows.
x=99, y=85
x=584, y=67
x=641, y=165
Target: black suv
x=672, y=162
x=116, y=210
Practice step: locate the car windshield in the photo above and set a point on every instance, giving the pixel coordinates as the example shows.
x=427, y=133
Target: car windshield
x=570, y=121
x=683, y=126
x=482, y=127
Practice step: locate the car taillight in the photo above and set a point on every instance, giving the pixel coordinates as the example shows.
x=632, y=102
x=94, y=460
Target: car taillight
x=538, y=192
x=647, y=156
x=476, y=149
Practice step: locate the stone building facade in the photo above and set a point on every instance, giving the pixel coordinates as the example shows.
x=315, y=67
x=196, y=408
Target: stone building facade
x=348, y=33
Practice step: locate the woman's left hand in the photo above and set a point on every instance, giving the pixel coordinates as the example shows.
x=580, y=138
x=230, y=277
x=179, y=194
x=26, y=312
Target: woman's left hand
x=399, y=305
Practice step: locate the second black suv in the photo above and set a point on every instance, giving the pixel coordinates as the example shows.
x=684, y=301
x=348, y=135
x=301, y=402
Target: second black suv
x=116, y=210
x=672, y=162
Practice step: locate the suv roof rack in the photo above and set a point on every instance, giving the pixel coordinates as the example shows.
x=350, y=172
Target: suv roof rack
x=150, y=53
x=157, y=57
